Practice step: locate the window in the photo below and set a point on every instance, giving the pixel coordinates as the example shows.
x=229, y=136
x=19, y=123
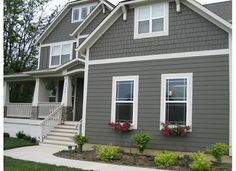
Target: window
x=80, y=13
x=60, y=54
x=125, y=100
x=151, y=20
x=52, y=95
x=176, y=102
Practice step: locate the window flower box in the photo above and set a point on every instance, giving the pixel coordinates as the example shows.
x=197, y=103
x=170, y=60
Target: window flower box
x=120, y=126
x=169, y=129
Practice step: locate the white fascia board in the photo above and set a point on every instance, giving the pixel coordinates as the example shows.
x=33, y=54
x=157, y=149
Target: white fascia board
x=209, y=15
x=57, y=19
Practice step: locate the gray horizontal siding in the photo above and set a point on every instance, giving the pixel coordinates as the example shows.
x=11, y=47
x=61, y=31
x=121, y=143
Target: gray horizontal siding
x=44, y=57
x=188, y=31
x=78, y=66
x=210, y=101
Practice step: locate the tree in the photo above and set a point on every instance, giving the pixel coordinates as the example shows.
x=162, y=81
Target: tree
x=24, y=22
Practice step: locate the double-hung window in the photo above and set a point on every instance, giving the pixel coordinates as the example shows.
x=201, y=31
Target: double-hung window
x=151, y=20
x=176, y=102
x=60, y=54
x=81, y=12
x=125, y=100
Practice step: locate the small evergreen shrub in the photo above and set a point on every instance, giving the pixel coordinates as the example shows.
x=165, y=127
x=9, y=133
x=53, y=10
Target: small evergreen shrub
x=141, y=141
x=107, y=153
x=34, y=140
x=80, y=141
x=218, y=150
x=165, y=159
x=27, y=138
x=6, y=135
x=200, y=162
x=20, y=134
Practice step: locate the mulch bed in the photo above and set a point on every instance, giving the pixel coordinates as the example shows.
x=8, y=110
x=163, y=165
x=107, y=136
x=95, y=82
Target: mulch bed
x=134, y=160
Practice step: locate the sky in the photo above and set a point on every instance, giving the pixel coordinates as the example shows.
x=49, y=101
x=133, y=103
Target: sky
x=115, y=2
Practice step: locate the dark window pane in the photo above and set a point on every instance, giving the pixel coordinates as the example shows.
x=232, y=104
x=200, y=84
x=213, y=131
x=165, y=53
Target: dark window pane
x=176, y=89
x=143, y=26
x=176, y=113
x=76, y=15
x=65, y=58
x=124, y=90
x=55, y=60
x=158, y=25
x=124, y=112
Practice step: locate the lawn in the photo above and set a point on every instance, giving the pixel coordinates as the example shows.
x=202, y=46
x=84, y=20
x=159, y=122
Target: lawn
x=10, y=143
x=11, y=164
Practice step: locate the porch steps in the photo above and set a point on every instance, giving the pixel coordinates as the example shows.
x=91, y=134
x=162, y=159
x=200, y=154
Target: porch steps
x=61, y=135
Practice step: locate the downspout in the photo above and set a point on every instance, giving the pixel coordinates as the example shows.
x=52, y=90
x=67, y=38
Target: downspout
x=124, y=10
x=177, y=5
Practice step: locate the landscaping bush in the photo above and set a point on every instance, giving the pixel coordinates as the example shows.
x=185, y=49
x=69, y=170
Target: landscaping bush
x=27, y=138
x=107, y=153
x=80, y=141
x=20, y=134
x=218, y=150
x=141, y=141
x=165, y=159
x=200, y=162
x=6, y=135
x=34, y=140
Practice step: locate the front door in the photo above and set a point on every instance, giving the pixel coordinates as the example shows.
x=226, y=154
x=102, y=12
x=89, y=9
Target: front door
x=79, y=99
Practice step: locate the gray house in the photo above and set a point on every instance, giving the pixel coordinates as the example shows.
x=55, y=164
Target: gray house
x=144, y=62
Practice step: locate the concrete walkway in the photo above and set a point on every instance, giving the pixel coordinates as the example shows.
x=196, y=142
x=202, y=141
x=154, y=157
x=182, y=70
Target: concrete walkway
x=44, y=154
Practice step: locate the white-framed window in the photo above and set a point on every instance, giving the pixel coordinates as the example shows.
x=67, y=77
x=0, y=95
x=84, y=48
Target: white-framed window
x=151, y=20
x=176, y=98
x=125, y=100
x=81, y=12
x=60, y=54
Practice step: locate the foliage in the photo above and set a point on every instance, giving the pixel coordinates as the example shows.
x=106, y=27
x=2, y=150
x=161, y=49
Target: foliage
x=10, y=143
x=20, y=134
x=200, y=162
x=27, y=138
x=80, y=141
x=218, y=150
x=120, y=126
x=141, y=141
x=11, y=164
x=50, y=85
x=169, y=129
x=34, y=140
x=6, y=135
x=165, y=159
x=24, y=22
x=107, y=153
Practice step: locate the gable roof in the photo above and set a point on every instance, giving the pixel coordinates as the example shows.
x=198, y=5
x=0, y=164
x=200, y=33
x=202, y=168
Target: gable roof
x=222, y=9
x=118, y=11
x=60, y=16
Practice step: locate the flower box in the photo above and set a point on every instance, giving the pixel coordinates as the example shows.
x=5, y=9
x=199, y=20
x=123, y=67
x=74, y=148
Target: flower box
x=169, y=129
x=120, y=126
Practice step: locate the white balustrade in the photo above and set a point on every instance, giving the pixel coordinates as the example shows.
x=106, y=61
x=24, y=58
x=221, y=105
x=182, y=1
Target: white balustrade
x=51, y=121
x=79, y=127
x=45, y=108
x=19, y=110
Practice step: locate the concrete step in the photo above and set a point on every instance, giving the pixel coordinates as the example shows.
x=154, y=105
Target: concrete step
x=57, y=142
x=59, y=138
x=66, y=127
x=62, y=134
x=73, y=131
x=70, y=123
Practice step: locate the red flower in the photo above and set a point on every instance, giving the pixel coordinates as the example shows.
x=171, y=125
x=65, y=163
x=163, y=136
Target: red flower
x=120, y=127
x=165, y=132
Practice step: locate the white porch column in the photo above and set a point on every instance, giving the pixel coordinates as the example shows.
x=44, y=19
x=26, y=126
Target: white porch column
x=6, y=97
x=67, y=99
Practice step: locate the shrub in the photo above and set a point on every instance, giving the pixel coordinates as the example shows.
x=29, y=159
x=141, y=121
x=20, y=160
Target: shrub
x=6, y=135
x=141, y=141
x=165, y=159
x=34, y=140
x=200, y=162
x=107, y=153
x=218, y=150
x=27, y=138
x=20, y=134
x=80, y=141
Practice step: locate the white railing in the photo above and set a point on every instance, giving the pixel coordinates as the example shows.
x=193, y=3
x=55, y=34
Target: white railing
x=79, y=127
x=52, y=120
x=45, y=108
x=21, y=110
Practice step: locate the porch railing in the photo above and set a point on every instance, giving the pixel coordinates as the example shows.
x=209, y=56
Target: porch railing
x=79, y=127
x=52, y=120
x=21, y=110
x=45, y=108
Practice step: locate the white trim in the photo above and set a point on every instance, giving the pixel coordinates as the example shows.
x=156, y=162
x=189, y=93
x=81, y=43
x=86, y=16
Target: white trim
x=60, y=44
x=135, y=98
x=83, y=36
x=230, y=94
x=86, y=68
x=189, y=77
x=161, y=56
x=39, y=56
x=74, y=71
x=80, y=11
x=165, y=32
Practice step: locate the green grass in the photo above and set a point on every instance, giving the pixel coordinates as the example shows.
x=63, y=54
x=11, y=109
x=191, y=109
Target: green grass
x=10, y=143
x=11, y=164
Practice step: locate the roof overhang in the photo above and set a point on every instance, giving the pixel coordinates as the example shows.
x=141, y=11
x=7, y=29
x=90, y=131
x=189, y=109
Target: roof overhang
x=117, y=12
